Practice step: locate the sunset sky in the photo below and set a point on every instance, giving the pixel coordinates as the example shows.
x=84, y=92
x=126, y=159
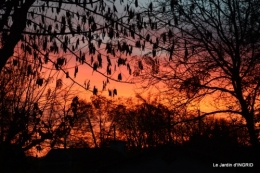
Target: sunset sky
x=142, y=73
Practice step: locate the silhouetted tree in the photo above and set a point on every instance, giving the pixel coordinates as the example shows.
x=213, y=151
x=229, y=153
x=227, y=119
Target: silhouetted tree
x=28, y=111
x=84, y=129
x=98, y=34
x=94, y=125
x=212, y=50
x=20, y=110
x=216, y=133
x=142, y=125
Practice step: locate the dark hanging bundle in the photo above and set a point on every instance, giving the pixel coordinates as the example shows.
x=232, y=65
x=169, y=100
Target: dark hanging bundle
x=115, y=92
x=164, y=37
x=83, y=59
x=171, y=51
x=99, y=60
x=95, y=66
x=175, y=20
x=108, y=61
x=140, y=65
x=91, y=60
x=95, y=91
x=104, y=85
x=60, y=61
x=88, y=84
x=151, y=7
x=147, y=38
x=29, y=70
x=170, y=34
x=186, y=54
x=119, y=77
x=186, y=51
x=75, y=71
x=46, y=58
x=154, y=52
x=129, y=69
x=108, y=70
x=39, y=81
x=138, y=44
x=15, y=62
x=115, y=10
x=59, y=83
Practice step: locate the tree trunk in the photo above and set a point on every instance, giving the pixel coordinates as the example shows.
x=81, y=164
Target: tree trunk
x=251, y=130
x=19, y=23
x=92, y=131
x=247, y=115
